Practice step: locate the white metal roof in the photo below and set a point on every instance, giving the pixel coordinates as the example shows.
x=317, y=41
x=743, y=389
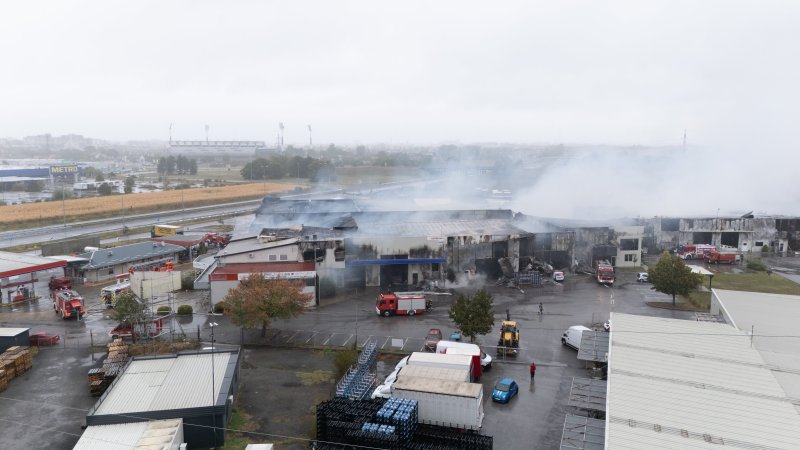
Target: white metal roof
x=692, y=385
x=444, y=358
x=10, y=261
x=11, y=332
x=166, y=383
x=773, y=320
x=456, y=388
x=452, y=374
x=154, y=435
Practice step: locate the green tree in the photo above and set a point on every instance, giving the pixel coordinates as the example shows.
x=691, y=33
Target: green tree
x=129, y=309
x=104, y=189
x=193, y=166
x=671, y=276
x=62, y=194
x=473, y=315
x=171, y=165
x=130, y=182
x=34, y=186
x=257, y=301
x=99, y=177
x=162, y=166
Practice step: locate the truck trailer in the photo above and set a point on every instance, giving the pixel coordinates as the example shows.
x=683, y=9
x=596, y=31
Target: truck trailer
x=400, y=303
x=443, y=403
x=444, y=361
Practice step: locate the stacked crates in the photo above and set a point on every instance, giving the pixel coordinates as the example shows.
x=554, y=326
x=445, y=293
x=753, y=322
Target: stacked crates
x=403, y=414
x=338, y=417
x=357, y=383
x=429, y=437
x=19, y=357
x=3, y=380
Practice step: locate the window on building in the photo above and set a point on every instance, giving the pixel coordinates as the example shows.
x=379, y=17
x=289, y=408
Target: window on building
x=284, y=257
x=273, y=257
x=111, y=271
x=759, y=243
x=629, y=244
x=629, y=258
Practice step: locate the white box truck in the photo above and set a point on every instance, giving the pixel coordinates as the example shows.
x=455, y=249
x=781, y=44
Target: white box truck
x=437, y=373
x=440, y=360
x=445, y=403
x=448, y=368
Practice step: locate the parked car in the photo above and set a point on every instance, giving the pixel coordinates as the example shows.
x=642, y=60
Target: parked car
x=641, y=277
x=433, y=338
x=558, y=276
x=505, y=390
x=43, y=338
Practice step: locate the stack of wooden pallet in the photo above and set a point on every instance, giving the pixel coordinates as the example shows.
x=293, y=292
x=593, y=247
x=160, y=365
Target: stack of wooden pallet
x=100, y=379
x=14, y=362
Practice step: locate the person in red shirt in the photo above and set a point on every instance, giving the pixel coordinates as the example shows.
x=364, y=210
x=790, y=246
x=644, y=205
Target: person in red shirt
x=533, y=370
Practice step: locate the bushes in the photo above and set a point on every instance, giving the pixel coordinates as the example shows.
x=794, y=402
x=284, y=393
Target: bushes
x=219, y=308
x=344, y=359
x=163, y=310
x=757, y=265
x=765, y=249
x=327, y=288
x=184, y=310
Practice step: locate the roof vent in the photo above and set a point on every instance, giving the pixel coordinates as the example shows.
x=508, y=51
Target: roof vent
x=110, y=253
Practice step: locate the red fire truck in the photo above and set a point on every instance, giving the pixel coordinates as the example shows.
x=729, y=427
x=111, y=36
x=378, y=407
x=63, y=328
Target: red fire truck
x=604, y=272
x=400, y=303
x=695, y=251
x=715, y=257
x=68, y=303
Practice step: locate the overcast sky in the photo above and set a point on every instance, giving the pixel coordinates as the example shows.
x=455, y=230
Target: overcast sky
x=635, y=72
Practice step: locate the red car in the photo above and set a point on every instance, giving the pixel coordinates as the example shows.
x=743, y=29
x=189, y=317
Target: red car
x=43, y=338
x=433, y=338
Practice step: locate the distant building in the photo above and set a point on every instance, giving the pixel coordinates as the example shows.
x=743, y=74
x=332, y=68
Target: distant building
x=216, y=148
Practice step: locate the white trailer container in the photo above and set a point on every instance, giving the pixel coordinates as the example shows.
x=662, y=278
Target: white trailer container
x=444, y=403
x=440, y=360
x=437, y=373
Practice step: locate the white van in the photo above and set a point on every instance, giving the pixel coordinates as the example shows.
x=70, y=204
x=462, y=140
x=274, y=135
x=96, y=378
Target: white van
x=572, y=337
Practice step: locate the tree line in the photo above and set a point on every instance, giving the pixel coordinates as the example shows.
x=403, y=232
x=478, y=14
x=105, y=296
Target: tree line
x=171, y=165
x=278, y=166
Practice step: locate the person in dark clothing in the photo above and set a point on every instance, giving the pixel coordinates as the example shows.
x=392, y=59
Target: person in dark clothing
x=541, y=309
x=533, y=370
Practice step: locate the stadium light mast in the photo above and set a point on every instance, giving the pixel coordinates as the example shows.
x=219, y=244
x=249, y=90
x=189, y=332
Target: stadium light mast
x=280, y=126
x=310, y=142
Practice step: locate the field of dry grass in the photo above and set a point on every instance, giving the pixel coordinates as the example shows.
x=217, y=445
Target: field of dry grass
x=36, y=214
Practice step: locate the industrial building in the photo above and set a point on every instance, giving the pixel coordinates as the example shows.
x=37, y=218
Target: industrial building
x=11, y=337
x=747, y=233
x=26, y=276
x=198, y=388
x=692, y=385
x=225, y=277
x=106, y=263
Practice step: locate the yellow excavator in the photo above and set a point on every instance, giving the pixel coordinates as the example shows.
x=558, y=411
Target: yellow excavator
x=508, y=344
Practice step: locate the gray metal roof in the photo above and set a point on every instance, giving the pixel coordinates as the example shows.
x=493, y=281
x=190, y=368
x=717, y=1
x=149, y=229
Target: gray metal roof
x=158, y=384
x=594, y=346
x=108, y=257
x=583, y=433
x=252, y=245
x=588, y=393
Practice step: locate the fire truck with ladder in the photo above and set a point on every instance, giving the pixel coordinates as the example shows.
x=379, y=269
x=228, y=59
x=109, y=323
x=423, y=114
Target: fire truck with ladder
x=68, y=303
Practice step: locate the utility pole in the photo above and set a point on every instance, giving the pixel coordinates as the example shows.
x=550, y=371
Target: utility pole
x=63, y=206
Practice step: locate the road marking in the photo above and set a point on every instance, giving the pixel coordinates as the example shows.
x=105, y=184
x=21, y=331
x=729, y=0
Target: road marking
x=291, y=337
x=348, y=340
x=385, y=342
x=328, y=340
x=405, y=341
x=312, y=337
x=366, y=340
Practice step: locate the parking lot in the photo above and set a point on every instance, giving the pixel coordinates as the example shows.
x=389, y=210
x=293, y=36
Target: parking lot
x=535, y=416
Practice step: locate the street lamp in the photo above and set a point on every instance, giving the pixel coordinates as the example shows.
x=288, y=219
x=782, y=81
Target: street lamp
x=213, y=388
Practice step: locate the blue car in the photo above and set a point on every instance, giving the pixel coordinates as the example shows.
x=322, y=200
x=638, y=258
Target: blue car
x=505, y=390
